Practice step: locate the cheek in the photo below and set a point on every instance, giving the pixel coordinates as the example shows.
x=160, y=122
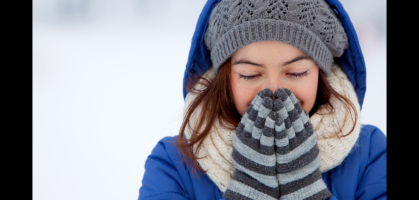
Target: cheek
x=307, y=93
x=307, y=100
x=242, y=96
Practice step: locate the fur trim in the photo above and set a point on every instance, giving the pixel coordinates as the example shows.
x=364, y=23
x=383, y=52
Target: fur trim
x=216, y=150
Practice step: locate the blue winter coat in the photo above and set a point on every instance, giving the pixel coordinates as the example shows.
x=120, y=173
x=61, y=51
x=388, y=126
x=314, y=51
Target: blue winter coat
x=362, y=175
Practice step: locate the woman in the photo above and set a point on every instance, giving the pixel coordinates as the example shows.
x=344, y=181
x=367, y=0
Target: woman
x=273, y=91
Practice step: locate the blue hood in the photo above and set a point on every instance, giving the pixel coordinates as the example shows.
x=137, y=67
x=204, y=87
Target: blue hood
x=352, y=61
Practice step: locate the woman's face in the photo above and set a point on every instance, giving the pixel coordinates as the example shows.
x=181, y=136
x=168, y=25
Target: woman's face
x=272, y=64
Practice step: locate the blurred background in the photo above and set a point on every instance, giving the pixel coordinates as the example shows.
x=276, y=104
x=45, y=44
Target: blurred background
x=107, y=86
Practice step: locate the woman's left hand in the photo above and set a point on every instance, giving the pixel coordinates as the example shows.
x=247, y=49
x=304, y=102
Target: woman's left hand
x=297, y=154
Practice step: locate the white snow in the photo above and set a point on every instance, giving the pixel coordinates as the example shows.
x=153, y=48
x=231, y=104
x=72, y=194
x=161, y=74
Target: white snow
x=107, y=86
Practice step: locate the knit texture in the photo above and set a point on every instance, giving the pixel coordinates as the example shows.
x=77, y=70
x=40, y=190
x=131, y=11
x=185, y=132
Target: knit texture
x=309, y=25
x=217, y=148
x=298, y=158
x=275, y=153
x=254, y=155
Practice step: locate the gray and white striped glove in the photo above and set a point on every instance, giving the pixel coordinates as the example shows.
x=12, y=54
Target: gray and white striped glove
x=254, y=155
x=297, y=154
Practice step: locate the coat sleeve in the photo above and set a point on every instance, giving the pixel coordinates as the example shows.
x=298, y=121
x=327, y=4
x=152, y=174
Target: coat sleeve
x=373, y=183
x=162, y=179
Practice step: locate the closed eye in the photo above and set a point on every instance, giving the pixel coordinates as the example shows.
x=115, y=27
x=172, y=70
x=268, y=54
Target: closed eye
x=298, y=75
x=249, y=77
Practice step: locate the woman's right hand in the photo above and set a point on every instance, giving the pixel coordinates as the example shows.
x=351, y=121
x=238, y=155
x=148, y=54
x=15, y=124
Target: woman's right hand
x=254, y=154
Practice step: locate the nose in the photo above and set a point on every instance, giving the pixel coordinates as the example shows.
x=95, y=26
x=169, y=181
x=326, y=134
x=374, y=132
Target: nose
x=273, y=84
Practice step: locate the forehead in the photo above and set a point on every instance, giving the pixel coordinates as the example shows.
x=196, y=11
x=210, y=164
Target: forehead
x=267, y=50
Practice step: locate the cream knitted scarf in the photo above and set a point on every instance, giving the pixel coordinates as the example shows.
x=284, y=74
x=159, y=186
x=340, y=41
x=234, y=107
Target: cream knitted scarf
x=216, y=150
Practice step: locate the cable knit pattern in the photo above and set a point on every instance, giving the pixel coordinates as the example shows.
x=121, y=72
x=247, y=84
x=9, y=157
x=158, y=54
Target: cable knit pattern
x=215, y=153
x=333, y=149
x=309, y=25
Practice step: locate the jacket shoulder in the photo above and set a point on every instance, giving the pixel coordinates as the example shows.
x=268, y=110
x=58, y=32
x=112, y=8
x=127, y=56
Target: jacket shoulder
x=373, y=148
x=372, y=140
x=362, y=175
x=165, y=152
x=164, y=173
x=167, y=176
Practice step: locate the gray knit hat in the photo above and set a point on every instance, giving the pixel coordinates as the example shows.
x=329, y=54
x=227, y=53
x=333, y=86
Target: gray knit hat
x=310, y=25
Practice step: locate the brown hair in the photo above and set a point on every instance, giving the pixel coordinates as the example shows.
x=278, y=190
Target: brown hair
x=216, y=99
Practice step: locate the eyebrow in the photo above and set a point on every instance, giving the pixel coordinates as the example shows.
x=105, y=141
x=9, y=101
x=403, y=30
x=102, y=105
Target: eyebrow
x=298, y=58
x=244, y=61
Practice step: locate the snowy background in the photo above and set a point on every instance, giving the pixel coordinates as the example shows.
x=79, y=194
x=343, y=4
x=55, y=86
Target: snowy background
x=106, y=71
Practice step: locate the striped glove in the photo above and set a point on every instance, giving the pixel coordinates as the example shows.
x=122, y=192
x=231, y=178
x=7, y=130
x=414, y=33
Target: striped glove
x=253, y=155
x=297, y=154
